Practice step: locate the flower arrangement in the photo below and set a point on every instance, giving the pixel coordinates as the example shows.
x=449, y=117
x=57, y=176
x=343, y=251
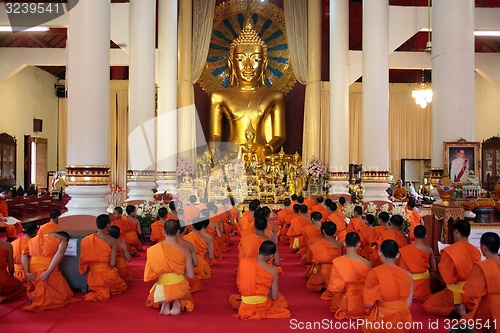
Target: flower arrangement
x=184, y=167
x=400, y=210
x=115, y=197
x=349, y=210
x=147, y=213
x=315, y=166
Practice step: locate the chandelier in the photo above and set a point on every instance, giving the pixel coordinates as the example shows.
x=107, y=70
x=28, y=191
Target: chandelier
x=422, y=93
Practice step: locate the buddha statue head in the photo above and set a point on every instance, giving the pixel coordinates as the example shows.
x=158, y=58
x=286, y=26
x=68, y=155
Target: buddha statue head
x=250, y=133
x=247, y=58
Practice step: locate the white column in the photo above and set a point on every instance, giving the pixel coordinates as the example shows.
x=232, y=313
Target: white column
x=375, y=122
x=452, y=74
x=339, y=96
x=141, y=173
x=88, y=106
x=167, y=97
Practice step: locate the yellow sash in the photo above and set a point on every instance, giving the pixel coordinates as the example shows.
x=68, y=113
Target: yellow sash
x=421, y=276
x=296, y=243
x=170, y=279
x=457, y=289
x=259, y=299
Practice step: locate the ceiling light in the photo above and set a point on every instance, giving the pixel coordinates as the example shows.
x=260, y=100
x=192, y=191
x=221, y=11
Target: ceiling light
x=9, y=28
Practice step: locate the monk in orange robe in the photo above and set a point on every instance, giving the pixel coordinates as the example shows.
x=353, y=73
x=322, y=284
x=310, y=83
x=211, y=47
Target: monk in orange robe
x=395, y=233
x=388, y=292
x=310, y=233
x=52, y=225
x=11, y=230
x=418, y=259
x=340, y=222
x=457, y=261
x=98, y=259
x=283, y=237
x=202, y=204
x=194, y=282
x=258, y=285
x=246, y=220
x=41, y=266
x=128, y=231
x=347, y=280
x=190, y=211
x=368, y=238
x=122, y=255
x=324, y=251
x=284, y=212
x=134, y=229
x=341, y=205
x=170, y=264
x=211, y=231
x=309, y=203
x=399, y=192
x=230, y=217
x=20, y=246
x=356, y=223
x=482, y=285
x=415, y=217
x=10, y=287
x=249, y=244
x=203, y=250
x=295, y=230
x=217, y=222
x=157, y=227
x=172, y=205
x=320, y=208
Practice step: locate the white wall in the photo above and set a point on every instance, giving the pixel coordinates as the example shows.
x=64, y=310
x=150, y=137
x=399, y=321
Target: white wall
x=487, y=109
x=29, y=94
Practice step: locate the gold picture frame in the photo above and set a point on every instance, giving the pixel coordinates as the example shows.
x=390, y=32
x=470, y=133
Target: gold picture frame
x=461, y=158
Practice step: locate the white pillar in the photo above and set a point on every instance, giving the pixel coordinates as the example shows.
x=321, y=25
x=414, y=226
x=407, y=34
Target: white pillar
x=167, y=97
x=339, y=96
x=452, y=74
x=88, y=107
x=375, y=122
x=141, y=173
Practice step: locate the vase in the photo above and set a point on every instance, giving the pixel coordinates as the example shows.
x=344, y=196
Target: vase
x=445, y=193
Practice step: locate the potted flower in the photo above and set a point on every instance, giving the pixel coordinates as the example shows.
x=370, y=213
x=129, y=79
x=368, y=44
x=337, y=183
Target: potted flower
x=315, y=169
x=184, y=170
x=147, y=213
x=115, y=197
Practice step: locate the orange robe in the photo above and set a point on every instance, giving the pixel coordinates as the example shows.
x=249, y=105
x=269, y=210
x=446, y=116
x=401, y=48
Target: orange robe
x=384, y=235
x=222, y=241
x=387, y=288
x=339, y=220
x=11, y=230
x=417, y=262
x=246, y=222
x=19, y=247
x=167, y=264
x=54, y=292
x=157, y=232
x=284, y=229
x=102, y=279
x=216, y=241
x=222, y=219
x=295, y=231
x=415, y=220
x=356, y=225
x=132, y=237
x=202, y=271
x=190, y=213
x=457, y=261
x=249, y=246
x=347, y=280
x=254, y=281
x=309, y=232
x=367, y=237
x=122, y=265
x=323, y=253
x=10, y=287
x=483, y=286
x=321, y=209
x=309, y=203
x=399, y=193
x=48, y=228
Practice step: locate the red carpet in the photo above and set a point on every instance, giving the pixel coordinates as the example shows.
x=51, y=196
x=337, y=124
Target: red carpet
x=127, y=313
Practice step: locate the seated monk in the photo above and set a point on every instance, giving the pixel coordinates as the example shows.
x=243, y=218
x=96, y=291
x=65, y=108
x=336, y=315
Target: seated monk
x=191, y=212
x=324, y=251
x=217, y=227
x=295, y=230
x=356, y=223
x=202, y=271
x=194, y=283
x=283, y=237
x=457, y=261
x=347, y=280
x=339, y=220
x=368, y=238
x=388, y=292
x=157, y=227
x=98, y=259
x=399, y=192
x=282, y=215
x=122, y=222
x=249, y=244
x=341, y=205
x=246, y=220
x=134, y=230
x=230, y=216
x=169, y=263
x=482, y=285
x=11, y=230
x=310, y=233
x=122, y=255
x=10, y=287
x=19, y=246
x=258, y=285
x=173, y=215
x=52, y=225
x=320, y=208
x=309, y=203
x=418, y=259
x=212, y=244
x=394, y=232
x=41, y=266
x=415, y=217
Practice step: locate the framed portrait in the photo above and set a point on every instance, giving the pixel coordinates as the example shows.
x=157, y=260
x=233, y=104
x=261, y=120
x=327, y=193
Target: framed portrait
x=461, y=158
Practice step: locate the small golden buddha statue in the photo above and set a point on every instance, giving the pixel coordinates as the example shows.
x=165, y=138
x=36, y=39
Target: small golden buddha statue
x=247, y=101
x=251, y=148
x=295, y=165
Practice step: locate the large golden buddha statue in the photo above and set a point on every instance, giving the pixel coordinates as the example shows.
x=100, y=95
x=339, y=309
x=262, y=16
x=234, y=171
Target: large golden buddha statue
x=247, y=101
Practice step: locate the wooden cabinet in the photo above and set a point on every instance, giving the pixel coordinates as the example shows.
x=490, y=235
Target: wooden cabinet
x=491, y=163
x=7, y=161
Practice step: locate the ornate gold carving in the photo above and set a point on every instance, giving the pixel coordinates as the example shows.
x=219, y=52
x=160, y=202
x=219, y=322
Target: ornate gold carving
x=85, y=175
x=141, y=175
x=375, y=176
x=435, y=176
x=338, y=176
x=166, y=175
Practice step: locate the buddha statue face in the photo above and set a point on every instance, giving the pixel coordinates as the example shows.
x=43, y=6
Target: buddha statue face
x=248, y=64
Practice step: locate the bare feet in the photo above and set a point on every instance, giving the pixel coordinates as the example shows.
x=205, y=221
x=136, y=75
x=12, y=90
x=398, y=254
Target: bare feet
x=176, y=308
x=165, y=309
x=460, y=309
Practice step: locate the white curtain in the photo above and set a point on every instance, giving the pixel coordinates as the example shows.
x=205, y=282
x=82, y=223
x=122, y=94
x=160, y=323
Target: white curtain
x=203, y=17
x=296, y=35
